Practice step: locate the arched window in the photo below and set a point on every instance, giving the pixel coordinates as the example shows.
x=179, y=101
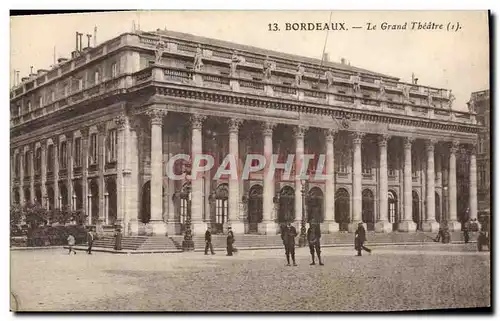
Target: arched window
x=393, y=203
x=221, y=204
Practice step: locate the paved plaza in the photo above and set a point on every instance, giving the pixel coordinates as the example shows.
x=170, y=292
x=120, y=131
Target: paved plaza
x=392, y=278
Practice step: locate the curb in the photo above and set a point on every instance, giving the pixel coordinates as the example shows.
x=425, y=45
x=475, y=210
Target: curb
x=107, y=250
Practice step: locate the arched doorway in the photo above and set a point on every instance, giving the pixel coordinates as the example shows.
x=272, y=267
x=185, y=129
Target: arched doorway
x=112, y=208
x=63, y=196
x=286, y=212
x=94, y=201
x=27, y=195
x=368, y=209
x=438, y=208
x=146, y=203
x=254, y=208
x=315, y=205
x=50, y=195
x=38, y=196
x=185, y=205
x=416, y=209
x=342, y=209
x=79, y=195
x=221, y=207
x=392, y=209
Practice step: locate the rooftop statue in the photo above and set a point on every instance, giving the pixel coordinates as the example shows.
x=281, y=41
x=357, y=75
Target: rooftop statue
x=299, y=74
x=269, y=66
x=329, y=77
x=198, y=59
x=235, y=60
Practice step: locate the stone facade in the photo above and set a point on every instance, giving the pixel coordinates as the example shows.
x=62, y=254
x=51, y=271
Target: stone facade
x=104, y=143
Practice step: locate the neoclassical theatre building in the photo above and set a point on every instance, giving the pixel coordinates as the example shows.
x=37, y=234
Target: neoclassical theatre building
x=96, y=131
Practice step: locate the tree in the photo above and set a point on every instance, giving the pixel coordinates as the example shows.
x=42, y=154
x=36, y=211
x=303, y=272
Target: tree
x=16, y=215
x=35, y=214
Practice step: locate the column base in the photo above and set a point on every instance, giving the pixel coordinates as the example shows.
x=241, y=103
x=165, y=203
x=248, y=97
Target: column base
x=430, y=226
x=454, y=226
x=133, y=228
x=267, y=228
x=173, y=228
x=158, y=228
x=198, y=228
x=353, y=226
x=236, y=227
x=407, y=226
x=328, y=227
x=383, y=227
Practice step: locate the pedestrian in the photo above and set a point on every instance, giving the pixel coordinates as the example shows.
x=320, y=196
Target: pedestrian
x=229, y=242
x=313, y=237
x=466, y=231
x=288, y=236
x=208, y=241
x=360, y=239
x=118, y=239
x=71, y=243
x=439, y=236
x=90, y=240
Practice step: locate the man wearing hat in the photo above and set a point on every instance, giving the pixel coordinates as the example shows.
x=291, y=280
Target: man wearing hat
x=313, y=237
x=229, y=241
x=288, y=235
x=360, y=239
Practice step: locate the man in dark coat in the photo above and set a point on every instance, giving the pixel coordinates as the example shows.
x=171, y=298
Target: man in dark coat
x=313, y=237
x=90, y=240
x=466, y=231
x=229, y=242
x=360, y=239
x=118, y=239
x=288, y=236
x=208, y=241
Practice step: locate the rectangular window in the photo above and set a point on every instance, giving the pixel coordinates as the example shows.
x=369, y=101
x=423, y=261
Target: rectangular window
x=66, y=90
x=26, y=164
x=18, y=110
x=63, y=155
x=96, y=77
x=366, y=164
x=342, y=163
x=78, y=152
x=114, y=70
x=52, y=96
x=112, y=142
x=414, y=169
x=40, y=101
x=17, y=160
x=184, y=208
x=80, y=84
x=38, y=160
x=221, y=210
x=29, y=106
x=93, y=149
x=50, y=158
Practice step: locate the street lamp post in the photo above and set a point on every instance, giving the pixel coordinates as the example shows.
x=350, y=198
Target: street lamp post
x=187, y=243
x=302, y=239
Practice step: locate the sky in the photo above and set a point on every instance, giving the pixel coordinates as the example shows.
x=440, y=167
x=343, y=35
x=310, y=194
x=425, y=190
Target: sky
x=457, y=60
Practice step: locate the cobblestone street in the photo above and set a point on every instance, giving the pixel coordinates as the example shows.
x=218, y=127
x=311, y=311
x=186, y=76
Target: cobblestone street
x=392, y=278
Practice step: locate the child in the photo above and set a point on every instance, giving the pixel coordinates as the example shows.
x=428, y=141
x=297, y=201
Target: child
x=71, y=243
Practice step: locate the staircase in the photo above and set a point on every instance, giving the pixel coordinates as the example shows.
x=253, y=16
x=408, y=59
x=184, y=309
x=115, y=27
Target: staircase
x=173, y=244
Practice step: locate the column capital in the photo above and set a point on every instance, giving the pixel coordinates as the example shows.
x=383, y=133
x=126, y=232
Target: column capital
x=330, y=134
x=408, y=141
x=473, y=148
x=69, y=136
x=156, y=115
x=383, y=140
x=430, y=144
x=234, y=124
x=454, y=146
x=101, y=128
x=357, y=137
x=267, y=128
x=121, y=121
x=300, y=131
x=85, y=132
x=197, y=121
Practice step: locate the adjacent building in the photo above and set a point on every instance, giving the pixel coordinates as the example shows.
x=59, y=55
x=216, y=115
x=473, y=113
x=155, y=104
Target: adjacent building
x=94, y=132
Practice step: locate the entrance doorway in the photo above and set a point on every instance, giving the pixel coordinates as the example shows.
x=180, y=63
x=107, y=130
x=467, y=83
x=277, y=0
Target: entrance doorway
x=342, y=209
x=286, y=212
x=315, y=205
x=254, y=208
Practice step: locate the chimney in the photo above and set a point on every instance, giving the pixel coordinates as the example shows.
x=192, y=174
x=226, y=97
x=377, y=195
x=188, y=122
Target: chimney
x=326, y=57
x=24, y=79
x=80, y=35
x=74, y=54
x=342, y=61
x=17, y=77
x=61, y=60
x=41, y=72
x=76, y=42
x=88, y=40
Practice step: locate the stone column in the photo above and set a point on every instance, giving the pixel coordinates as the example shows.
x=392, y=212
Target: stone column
x=32, y=173
x=43, y=172
x=439, y=170
x=106, y=207
x=103, y=218
x=453, y=223
x=234, y=219
x=268, y=225
x=158, y=225
x=407, y=225
x=69, y=167
x=473, y=185
x=299, y=133
x=383, y=225
x=85, y=164
x=329, y=225
x=430, y=224
x=198, y=225
x=12, y=177
x=132, y=187
x=55, y=141
x=356, y=181
x=122, y=170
